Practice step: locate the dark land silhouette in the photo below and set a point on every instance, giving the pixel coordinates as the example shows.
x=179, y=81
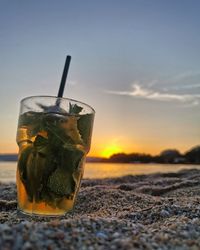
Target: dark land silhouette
x=172, y=156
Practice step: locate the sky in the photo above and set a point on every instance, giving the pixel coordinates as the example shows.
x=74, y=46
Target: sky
x=136, y=62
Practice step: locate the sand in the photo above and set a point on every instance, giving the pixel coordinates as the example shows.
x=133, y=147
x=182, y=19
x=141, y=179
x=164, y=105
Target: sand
x=159, y=211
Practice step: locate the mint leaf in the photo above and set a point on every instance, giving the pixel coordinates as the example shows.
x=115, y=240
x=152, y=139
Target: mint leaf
x=41, y=145
x=70, y=159
x=74, y=109
x=29, y=118
x=61, y=183
x=33, y=121
x=85, y=123
x=23, y=158
x=31, y=166
x=36, y=166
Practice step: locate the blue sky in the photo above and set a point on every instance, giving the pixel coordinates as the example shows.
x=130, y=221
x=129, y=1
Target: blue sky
x=136, y=62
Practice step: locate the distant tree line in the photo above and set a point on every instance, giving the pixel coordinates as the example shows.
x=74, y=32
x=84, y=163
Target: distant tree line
x=167, y=156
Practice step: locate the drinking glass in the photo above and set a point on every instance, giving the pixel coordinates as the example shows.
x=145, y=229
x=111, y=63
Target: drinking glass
x=54, y=137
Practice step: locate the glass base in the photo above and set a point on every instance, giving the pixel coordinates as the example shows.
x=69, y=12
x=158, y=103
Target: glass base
x=26, y=214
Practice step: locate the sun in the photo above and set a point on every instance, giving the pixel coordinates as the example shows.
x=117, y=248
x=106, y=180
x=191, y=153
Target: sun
x=110, y=150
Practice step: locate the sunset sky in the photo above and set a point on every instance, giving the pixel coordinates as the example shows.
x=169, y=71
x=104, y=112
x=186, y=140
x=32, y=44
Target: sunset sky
x=136, y=62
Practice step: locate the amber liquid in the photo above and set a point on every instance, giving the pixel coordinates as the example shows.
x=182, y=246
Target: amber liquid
x=42, y=208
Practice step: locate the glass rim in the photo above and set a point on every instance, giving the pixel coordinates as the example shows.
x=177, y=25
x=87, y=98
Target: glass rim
x=55, y=97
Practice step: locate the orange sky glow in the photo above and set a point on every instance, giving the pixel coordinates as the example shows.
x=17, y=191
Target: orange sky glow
x=106, y=148
x=131, y=66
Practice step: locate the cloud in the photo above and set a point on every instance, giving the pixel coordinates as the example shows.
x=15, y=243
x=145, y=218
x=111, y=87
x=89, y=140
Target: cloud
x=147, y=93
x=182, y=81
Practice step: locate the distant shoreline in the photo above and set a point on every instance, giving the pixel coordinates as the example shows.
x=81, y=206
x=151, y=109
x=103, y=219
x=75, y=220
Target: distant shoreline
x=108, y=161
x=168, y=156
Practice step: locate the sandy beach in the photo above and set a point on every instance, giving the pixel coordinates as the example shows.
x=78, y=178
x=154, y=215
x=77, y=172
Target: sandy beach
x=158, y=211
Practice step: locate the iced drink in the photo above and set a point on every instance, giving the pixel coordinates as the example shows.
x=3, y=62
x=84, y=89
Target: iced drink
x=54, y=138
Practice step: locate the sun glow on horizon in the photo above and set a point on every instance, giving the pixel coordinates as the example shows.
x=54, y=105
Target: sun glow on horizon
x=111, y=149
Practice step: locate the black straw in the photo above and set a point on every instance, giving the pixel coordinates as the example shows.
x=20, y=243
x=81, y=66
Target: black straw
x=64, y=76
